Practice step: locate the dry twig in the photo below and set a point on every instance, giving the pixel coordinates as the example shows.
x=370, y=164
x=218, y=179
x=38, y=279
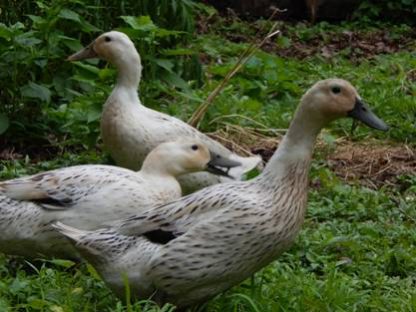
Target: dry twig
x=197, y=116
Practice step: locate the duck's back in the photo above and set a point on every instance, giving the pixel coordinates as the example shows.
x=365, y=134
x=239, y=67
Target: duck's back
x=130, y=131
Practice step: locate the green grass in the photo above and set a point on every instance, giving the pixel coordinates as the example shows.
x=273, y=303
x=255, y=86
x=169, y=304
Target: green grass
x=356, y=251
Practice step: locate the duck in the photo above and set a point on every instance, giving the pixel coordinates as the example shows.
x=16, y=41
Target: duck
x=130, y=130
x=86, y=196
x=187, y=251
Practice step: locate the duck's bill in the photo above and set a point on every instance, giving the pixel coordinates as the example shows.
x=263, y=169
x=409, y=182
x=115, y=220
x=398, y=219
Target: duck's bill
x=363, y=113
x=220, y=165
x=86, y=53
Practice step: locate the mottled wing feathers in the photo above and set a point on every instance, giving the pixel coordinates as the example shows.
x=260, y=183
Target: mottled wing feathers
x=59, y=189
x=179, y=216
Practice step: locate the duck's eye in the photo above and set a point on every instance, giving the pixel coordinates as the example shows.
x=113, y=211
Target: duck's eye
x=194, y=147
x=336, y=90
x=107, y=39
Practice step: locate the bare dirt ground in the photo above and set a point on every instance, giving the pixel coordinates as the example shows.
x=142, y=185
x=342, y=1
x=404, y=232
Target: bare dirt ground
x=373, y=164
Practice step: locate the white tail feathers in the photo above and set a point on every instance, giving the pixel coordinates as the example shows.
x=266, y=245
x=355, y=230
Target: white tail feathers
x=69, y=231
x=247, y=164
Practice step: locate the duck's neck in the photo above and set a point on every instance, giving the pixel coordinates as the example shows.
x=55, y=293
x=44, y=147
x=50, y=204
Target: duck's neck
x=296, y=148
x=129, y=71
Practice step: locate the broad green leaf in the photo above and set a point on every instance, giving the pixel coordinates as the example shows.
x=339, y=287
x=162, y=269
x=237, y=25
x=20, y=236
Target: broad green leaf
x=166, y=64
x=38, y=304
x=74, y=16
x=18, y=285
x=4, y=123
x=93, y=114
x=37, y=20
x=177, y=81
x=4, y=305
x=162, y=32
x=34, y=90
x=174, y=52
x=93, y=272
x=62, y=263
x=56, y=308
x=69, y=15
x=87, y=27
x=143, y=23
x=27, y=39
x=106, y=73
x=89, y=68
x=5, y=32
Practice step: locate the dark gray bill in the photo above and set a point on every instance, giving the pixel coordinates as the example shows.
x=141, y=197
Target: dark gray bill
x=86, y=53
x=220, y=165
x=363, y=113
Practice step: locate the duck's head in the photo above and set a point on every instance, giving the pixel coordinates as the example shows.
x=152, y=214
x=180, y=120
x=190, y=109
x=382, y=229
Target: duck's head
x=336, y=98
x=185, y=156
x=111, y=46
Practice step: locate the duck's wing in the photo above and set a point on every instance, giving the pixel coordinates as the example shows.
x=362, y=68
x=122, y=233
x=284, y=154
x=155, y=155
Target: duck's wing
x=167, y=222
x=179, y=128
x=61, y=188
x=204, y=237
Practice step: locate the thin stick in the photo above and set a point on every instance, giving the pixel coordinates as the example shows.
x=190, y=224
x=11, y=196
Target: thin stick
x=197, y=116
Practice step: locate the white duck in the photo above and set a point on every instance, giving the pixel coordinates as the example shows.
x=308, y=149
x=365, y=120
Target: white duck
x=86, y=196
x=189, y=250
x=130, y=130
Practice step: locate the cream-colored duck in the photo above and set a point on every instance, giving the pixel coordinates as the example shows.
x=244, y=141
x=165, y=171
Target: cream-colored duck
x=87, y=196
x=130, y=130
x=195, y=247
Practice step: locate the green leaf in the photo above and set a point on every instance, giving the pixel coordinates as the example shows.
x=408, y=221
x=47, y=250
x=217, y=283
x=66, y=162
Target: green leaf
x=143, y=23
x=174, y=52
x=166, y=64
x=70, y=15
x=34, y=90
x=5, y=32
x=62, y=263
x=106, y=73
x=27, y=39
x=93, y=272
x=177, y=81
x=162, y=32
x=71, y=43
x=4, y=123
x=37, y=304
x=93, y=114
x=37, y=21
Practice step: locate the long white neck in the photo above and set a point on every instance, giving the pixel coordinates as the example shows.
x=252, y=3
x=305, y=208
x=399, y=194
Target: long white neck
x=129, y=69
x=297, y=145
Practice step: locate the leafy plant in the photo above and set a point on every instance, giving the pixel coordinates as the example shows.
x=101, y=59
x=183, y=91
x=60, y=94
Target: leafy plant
x=388, y=10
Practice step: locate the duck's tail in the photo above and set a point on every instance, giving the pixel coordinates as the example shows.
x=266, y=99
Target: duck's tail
x=72, y=233
x=247, y=164
x=91, y=244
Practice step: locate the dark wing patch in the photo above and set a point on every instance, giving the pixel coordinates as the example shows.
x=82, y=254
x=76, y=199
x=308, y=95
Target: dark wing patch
x=159, y=236
x=53, y=203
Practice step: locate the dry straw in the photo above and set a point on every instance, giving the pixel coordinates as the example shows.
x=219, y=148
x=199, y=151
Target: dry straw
x=199, y=113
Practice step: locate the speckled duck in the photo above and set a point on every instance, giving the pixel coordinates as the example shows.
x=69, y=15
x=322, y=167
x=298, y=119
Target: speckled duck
x=191, y=249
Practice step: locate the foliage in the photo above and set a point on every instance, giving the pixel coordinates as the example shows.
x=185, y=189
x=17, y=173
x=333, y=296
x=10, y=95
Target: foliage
x=356, y=250
x=41, y=93
x=388, y=10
